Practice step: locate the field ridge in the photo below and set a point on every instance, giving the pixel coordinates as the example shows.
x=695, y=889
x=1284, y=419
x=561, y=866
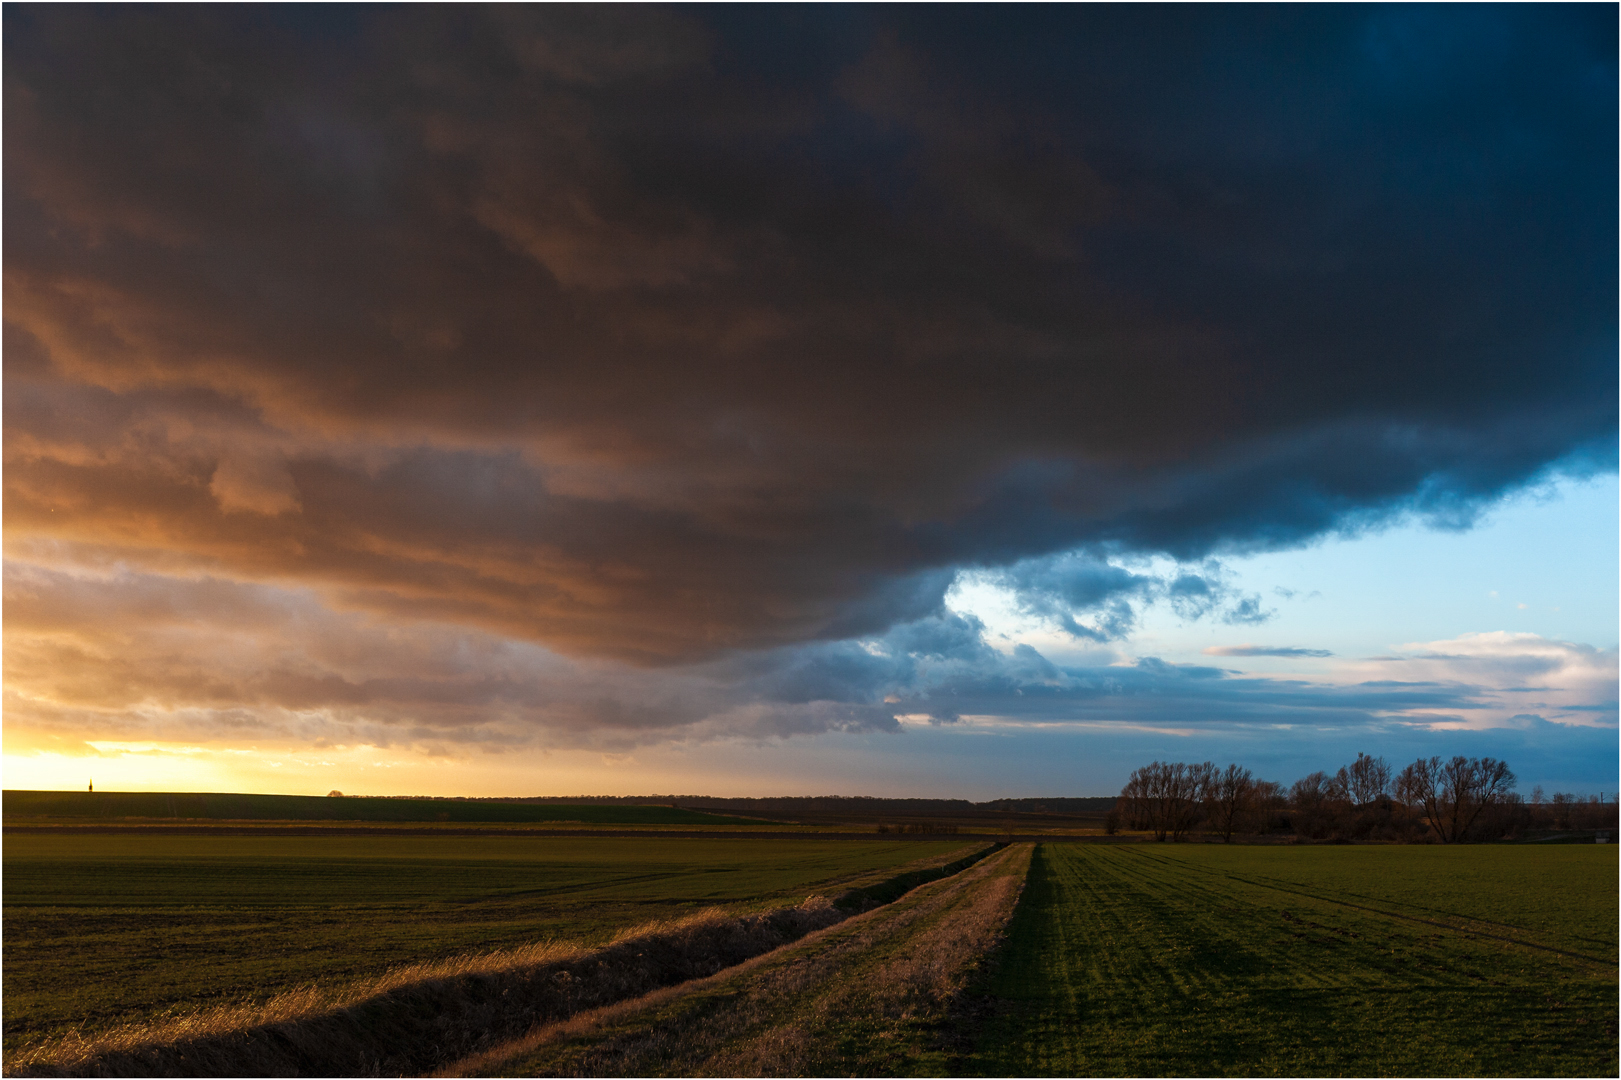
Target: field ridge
x=411, y=1021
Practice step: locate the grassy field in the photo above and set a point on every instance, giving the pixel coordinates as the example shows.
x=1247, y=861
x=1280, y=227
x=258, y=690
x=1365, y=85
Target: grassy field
x=1214, y=960
x=104, y=928
x=868, y=997
x=227, y=806
x=1136, y=959
x=152, y=809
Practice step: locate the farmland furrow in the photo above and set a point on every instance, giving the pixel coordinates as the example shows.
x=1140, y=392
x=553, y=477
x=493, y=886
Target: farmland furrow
x=102, y=932
x=425, y=1017
x=866, y=996
x=1471, y=928
x=1140, y=962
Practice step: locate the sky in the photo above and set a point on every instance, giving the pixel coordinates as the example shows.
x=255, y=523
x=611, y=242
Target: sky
x=961, y=402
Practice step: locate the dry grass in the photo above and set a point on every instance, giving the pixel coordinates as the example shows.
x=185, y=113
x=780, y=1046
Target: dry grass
x=866, y=996
x=299, y=1003
x=421, y=1016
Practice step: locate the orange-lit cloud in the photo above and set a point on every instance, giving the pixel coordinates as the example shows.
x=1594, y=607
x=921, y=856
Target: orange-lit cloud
x=450, y=377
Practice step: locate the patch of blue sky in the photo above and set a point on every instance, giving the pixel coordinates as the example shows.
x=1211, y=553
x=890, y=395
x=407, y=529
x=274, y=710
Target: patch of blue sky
x=1542, y=561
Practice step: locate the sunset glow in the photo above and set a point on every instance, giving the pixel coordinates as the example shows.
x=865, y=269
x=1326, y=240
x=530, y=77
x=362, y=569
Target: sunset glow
x=955, y=402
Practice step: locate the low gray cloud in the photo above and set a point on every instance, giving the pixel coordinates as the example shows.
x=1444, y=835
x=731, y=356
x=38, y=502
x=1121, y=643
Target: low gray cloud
x=1286, y=651
x=138, y=657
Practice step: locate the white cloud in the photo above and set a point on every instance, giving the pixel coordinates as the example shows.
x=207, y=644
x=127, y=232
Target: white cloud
x=1513, y=676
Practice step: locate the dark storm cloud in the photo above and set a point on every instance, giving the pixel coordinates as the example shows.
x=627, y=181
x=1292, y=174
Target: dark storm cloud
x=665, y=333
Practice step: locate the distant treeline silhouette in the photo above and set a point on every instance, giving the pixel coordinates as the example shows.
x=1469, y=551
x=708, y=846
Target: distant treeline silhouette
x=1432, y=800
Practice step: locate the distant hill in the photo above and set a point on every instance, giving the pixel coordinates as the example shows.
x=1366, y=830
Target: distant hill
x=241, y=807
x=848, y=808
x=1098, y=805
x=694, y=810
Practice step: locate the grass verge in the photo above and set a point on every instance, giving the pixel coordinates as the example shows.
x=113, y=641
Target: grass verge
x=870, y=996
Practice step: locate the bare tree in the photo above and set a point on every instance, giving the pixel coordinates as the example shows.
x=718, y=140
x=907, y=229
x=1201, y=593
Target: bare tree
x=1562, y=802
x=1418, y=787
x=1455, y=800
x=1364, y=780
x=1470, y=785
x=1230, y=795
x=1453, y=793
x=1136, y=799
x=1317, y=800
x=1166, y=797
x=1311, y=791
x=1269, y=801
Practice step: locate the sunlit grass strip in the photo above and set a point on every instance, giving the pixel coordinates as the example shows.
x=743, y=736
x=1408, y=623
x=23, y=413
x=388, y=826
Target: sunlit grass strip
x=300, y=1003
x=418, y=1016
x=868, y=996
x=105, y=930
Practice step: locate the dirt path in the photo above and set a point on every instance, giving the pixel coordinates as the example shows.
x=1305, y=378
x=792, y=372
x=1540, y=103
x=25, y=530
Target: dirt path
x=872, y=995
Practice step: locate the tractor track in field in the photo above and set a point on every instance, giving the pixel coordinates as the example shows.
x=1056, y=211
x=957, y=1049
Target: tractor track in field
x=1466, y=931
x=1214, y=962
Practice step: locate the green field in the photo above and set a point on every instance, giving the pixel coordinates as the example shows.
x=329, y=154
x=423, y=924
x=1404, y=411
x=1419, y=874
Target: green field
x=1135, y=959
x=866, y=998
x=101, y=928
x=1214, y=960
x=228, y=806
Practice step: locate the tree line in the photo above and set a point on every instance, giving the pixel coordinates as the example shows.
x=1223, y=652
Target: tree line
x=1449, y=801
